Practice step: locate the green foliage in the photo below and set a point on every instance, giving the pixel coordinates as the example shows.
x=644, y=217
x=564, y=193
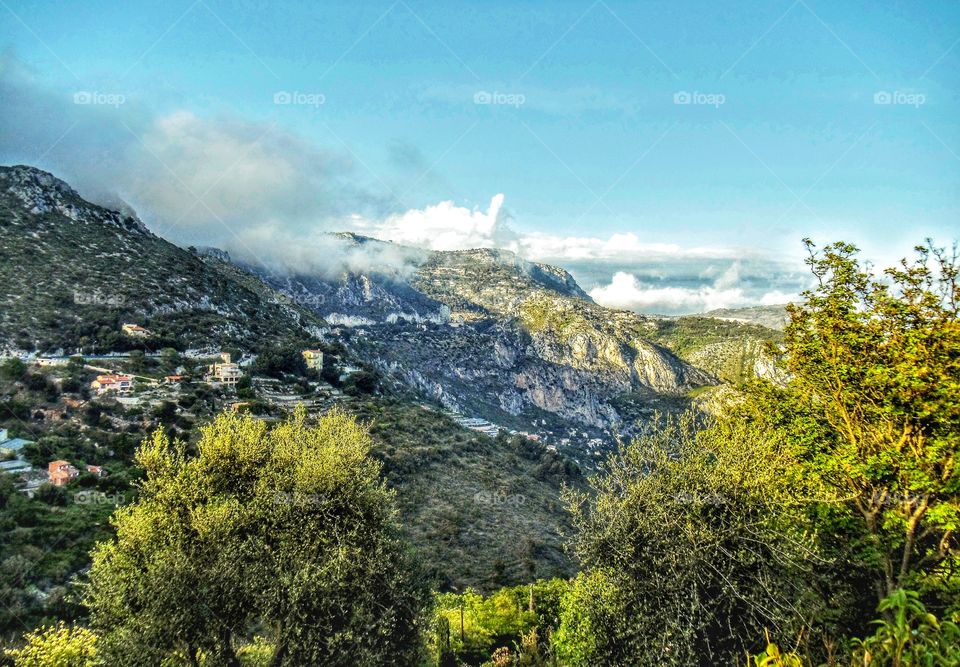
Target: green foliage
x=450, y=482
x=288, y=530
x=874, y=400
x=280, y=360
x=692, y=543
x=57, y=646
x=908, y=635
x=774, y=657
x=523, y=617
x=12, y=369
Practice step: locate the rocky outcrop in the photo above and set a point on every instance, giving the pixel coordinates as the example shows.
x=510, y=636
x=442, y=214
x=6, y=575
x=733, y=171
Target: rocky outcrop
x=41, y=193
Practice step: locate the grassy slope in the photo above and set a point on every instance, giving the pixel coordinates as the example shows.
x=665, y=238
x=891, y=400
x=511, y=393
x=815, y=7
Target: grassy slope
x=481, y=512
x=728, y=350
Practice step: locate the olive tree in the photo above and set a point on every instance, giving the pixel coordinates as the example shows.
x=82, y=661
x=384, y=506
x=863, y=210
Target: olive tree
x=287, y=533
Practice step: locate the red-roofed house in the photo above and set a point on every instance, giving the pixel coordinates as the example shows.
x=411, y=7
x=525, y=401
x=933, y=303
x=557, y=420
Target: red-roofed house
x=136, y=331
x=121, y=384
x=61, y=472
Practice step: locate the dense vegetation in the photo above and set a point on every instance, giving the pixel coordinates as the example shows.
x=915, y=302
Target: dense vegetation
x=813, y=522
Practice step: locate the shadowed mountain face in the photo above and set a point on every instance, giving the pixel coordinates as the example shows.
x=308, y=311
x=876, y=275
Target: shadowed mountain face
x=72, y=272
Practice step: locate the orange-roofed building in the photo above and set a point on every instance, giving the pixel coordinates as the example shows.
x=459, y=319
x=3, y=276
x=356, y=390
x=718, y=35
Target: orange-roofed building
x=136, y=331
x=61, y=473
x=121, y=384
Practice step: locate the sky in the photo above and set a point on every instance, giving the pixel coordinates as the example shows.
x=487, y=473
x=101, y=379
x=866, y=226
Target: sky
x=672, y=155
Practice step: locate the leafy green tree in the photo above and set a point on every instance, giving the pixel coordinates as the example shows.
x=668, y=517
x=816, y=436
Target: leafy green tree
x=137, y=361
x=521, y=616
x=692, y=543
x=874, y=402
x=906, y=635
x=57, y=646
x=278, y=361
x=288, y=533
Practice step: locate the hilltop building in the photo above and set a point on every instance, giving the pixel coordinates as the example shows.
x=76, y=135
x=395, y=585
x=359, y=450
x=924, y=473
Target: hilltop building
x=61, y=473
x=136, y=331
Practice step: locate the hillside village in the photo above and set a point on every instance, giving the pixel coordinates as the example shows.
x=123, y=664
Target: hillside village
x=126, y=386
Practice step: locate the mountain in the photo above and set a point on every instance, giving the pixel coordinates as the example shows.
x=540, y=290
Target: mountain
x=482, y=332
x=489, y=334
x=479, y=511
x=72, y=272
x=729, y=350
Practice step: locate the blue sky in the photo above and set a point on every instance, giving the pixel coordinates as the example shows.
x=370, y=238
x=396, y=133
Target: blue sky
x=803, y=118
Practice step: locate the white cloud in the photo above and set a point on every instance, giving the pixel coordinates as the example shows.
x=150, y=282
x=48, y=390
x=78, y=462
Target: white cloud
x=445, y=226
x=724, y=277
x=776, y=297
x=625, y=291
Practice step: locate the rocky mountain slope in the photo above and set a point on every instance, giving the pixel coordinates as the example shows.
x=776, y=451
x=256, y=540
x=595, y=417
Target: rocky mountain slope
x=487, y=333
x=72, y=272
x=482, y=332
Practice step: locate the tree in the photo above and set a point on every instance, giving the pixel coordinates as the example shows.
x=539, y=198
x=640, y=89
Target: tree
x=692, y=543
x=906, y=635
x=12, y=369
x=874, y=400
x=278, y=361
x=287, y=532
x=137, y=361
x=57, y=646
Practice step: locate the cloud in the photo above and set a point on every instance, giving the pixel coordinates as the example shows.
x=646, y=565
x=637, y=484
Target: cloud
x=193, y=178
x=446, y=226
x=727, y=291
x=625, y=291
x=270, y=197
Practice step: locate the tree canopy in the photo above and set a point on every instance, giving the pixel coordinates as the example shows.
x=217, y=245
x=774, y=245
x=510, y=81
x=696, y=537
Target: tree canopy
x=285, y=532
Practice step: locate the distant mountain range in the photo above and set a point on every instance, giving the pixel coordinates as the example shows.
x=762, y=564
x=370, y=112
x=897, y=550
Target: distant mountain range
x=481, y=331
